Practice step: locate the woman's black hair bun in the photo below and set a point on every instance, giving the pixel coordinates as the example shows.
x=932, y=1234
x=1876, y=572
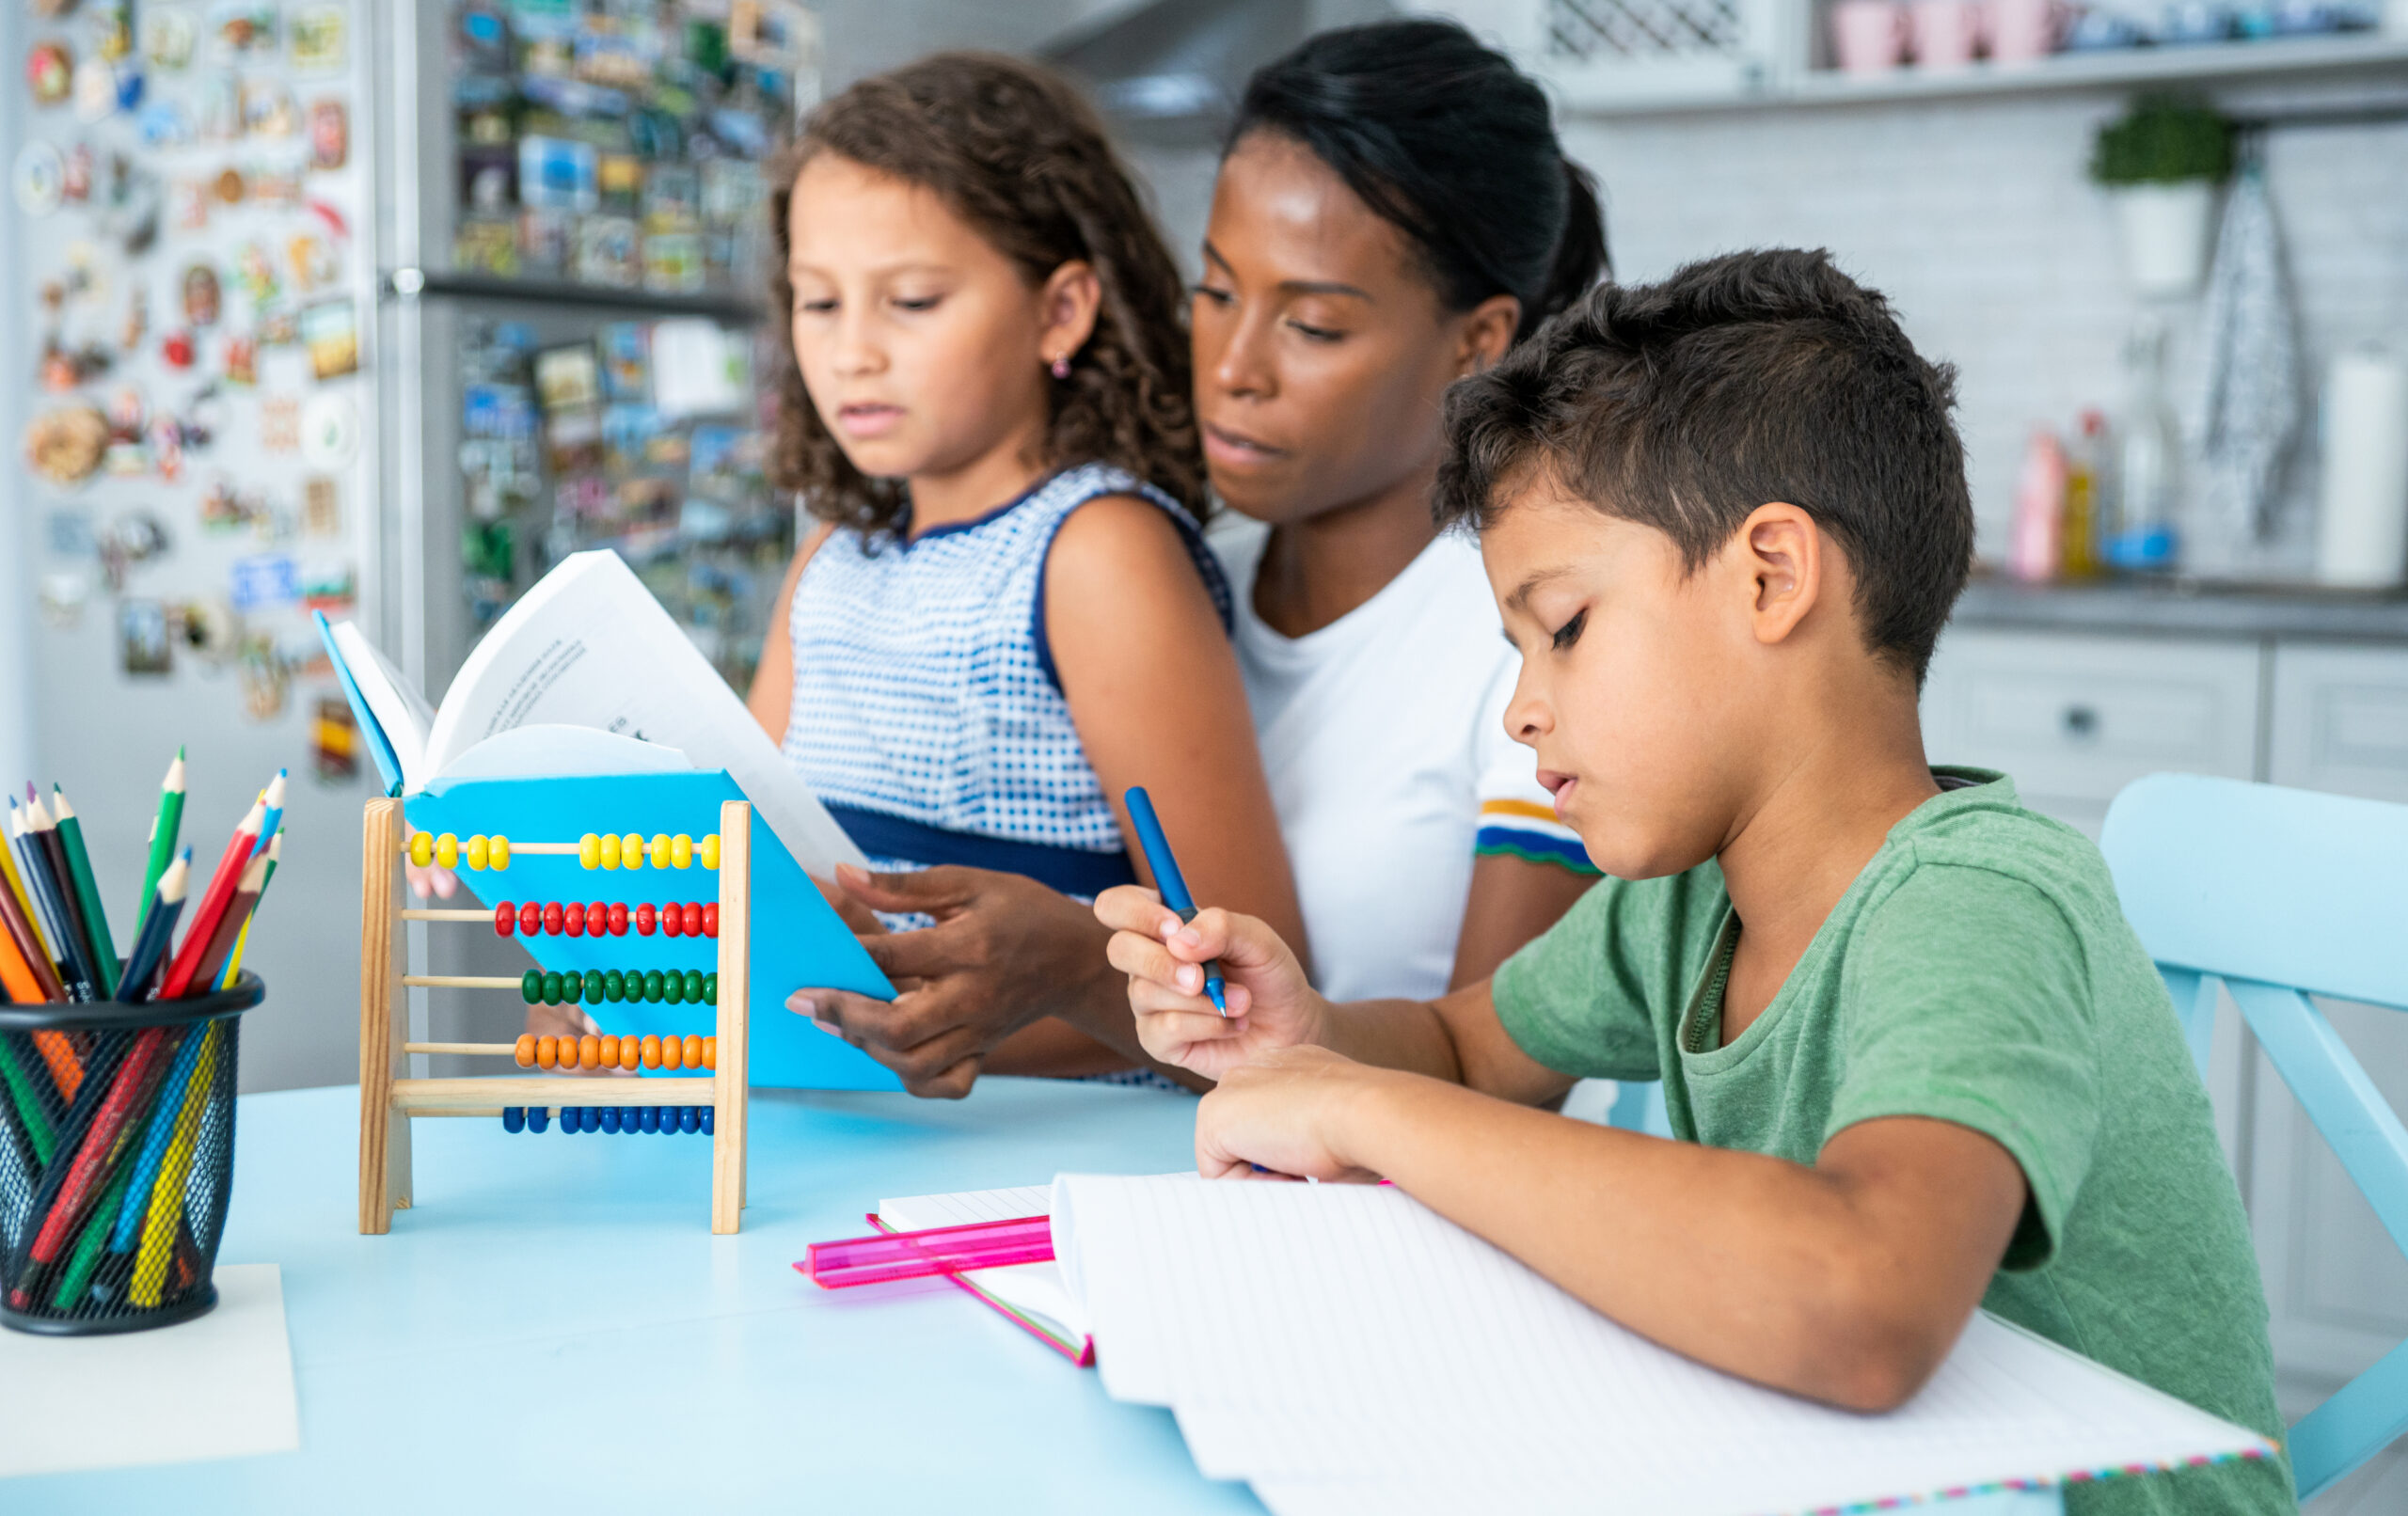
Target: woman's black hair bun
x=1451, y=143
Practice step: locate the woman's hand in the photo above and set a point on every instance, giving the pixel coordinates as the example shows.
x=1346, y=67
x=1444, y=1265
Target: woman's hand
x=1006, y=950
x=1271, y=1003
x=1288, y=1113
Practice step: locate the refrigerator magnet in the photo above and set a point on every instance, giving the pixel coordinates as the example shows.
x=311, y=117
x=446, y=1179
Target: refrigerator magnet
x=168, y=39
x=165, y=123
x=241, y=360
x=263, y=580
x=168, y=447
x=61, y=595
x=40, y=179
x=279, y=424
x=229, y=186
x=330, y=329
x=143, y=650
x=203, y=300
x=176, y=350
x=253, y=271
x=268, y=109
x=330, y=134
x=50, y=70
x=132, y=539
x=264, y=677
x=314, y=265
x=334, y=740
x=242, y=28
x=320, y=494
x=188, y=204
x=329, y=439
x=64, y=446
x=320, y=36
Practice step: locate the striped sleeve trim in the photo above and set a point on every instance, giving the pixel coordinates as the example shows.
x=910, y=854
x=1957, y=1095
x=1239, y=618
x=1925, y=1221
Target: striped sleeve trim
x=1524, y=829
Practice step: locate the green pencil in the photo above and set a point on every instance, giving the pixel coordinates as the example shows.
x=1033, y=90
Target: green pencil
x=163, y=836
x=30, y=1112
x=88, y=891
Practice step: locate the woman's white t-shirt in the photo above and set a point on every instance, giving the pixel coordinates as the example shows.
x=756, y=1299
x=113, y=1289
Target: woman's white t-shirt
x=1382, y=735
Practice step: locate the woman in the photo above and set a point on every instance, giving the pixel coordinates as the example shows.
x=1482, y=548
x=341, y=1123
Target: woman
x=1393, y=211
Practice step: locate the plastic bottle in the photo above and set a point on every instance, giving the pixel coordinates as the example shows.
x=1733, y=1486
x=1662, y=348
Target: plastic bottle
x=2086, y=491
x=2140, y=537
x=2039, y=510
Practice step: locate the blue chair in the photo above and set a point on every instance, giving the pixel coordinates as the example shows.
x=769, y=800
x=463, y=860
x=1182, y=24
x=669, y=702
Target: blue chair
x=2277, y=895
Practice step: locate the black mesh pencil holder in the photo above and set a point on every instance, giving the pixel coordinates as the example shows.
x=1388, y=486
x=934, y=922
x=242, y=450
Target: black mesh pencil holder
x=116, y=1159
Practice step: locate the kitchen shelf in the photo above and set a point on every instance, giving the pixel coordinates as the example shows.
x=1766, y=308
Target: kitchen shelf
x=2199, y=63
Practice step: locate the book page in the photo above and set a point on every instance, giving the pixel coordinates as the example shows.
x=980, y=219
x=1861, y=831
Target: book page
x=1035, y=1289
x=1346, y=1348
x=589, y=646
x=401, y=713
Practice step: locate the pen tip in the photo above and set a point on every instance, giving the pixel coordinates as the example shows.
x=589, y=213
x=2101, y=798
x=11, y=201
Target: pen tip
x=1220, y=999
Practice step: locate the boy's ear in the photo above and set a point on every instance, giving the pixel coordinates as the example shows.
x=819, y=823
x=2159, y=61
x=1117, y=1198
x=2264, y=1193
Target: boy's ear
x=1066, y=309
x=1781, y=557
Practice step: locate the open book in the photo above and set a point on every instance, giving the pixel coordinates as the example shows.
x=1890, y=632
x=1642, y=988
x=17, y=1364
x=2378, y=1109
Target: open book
x=1033, y=1296
x=588, y=646
x=1343, y=1348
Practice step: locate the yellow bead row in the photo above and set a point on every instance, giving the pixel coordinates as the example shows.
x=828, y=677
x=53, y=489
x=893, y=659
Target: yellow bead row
x=632, y=851
x=478, y=852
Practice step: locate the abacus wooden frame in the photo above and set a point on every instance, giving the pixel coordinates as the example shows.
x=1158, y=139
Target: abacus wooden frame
x=389, y=1098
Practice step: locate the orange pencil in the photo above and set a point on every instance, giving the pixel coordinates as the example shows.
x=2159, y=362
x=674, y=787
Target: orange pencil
x=31, y=952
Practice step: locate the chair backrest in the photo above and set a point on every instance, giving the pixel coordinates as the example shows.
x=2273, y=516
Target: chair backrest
x=2276, y=894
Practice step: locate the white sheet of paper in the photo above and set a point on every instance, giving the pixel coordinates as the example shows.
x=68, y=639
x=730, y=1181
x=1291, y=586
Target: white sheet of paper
x=1346, y=1348
x=1034, y=1289
x=219, y=1386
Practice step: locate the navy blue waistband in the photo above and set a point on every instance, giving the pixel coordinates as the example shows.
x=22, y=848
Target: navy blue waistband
x=1071, y=870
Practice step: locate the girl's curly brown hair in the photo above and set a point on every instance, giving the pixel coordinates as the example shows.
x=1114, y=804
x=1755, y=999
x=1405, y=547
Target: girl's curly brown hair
x=1016, y=152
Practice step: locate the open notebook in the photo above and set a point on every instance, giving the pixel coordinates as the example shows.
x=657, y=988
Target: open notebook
x=1343, y=1349
x=1033, y=1296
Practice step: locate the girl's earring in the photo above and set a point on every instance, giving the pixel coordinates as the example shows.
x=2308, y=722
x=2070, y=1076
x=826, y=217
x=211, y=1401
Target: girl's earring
x=1062, y=368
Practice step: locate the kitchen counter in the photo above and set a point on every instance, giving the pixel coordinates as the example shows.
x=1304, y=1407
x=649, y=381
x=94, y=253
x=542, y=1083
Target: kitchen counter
x=2188, y=609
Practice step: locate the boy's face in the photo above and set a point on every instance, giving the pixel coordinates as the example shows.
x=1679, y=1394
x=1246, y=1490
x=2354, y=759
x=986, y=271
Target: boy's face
x=1636, y=678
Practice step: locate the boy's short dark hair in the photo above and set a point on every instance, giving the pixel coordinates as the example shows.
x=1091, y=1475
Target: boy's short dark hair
x=1740, y=380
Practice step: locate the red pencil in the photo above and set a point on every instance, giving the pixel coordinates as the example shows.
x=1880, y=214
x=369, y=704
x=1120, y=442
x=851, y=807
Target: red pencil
x=82, y=1178
x=230, y=924
x=204, y=919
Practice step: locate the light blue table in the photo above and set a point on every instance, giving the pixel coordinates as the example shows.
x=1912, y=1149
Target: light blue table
x=554, y=1330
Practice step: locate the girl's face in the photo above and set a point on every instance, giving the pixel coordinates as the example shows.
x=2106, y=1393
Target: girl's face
x=1321, y=347
x=923, y=348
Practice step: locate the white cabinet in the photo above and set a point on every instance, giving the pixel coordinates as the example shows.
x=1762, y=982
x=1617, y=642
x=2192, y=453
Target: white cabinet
x=2073, y=718
x=2340, y=719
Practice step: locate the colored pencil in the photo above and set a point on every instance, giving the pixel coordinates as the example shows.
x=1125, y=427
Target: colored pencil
x=155, y=1140
x=168, y=1191
x=229, y=923
x=25, y=1087
x=77, y=1277
x=33, y=861
x=45, y=829
x=88, y=891
x=66, y=1184
x=164, y=828
x=158, y=930
x=24, y=987
x=16, y=891
x=273, y=798
x=23, y=933
x=222, y=884
x=234, y=959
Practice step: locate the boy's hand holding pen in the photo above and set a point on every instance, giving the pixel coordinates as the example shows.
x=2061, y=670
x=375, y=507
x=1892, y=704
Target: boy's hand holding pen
x=1175, y=956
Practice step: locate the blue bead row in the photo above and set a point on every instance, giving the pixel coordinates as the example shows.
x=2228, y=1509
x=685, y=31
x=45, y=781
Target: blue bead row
x=612, y=1118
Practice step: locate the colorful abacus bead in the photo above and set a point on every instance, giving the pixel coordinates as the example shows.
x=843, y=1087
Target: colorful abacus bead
x=710, y=919
x=447, y=851
x=692, y=1049
x=671, y=1051
x=710, y=989
x=538, y=1118
x=656, y=850
x=530, y=987
x=681, y=851
x=708, y=850
x=607, y=850
x=652, y=984
x=531, y=918
x=673, y=921
x=513, y=1119
x=592, y=987
x=631, y=851
x=421, y=848
x=645, y=919
x=526, y=1049
x=618, y=918
x=615, y=985
x=498, y=852
x=597, y=919
x=573, y=918
x=547, y=1053
x=505, y=919
x=589, y=851
x=475, y=852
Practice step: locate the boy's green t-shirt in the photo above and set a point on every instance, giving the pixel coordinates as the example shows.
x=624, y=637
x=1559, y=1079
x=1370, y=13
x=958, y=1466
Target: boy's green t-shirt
x=1980, y=972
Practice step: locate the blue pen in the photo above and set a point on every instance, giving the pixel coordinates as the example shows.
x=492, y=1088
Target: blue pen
x=1168, y=879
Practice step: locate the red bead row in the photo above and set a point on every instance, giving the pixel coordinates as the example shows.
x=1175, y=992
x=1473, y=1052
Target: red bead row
x=693, y=919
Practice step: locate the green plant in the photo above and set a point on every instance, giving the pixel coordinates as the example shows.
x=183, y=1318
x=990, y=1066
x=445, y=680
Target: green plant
x=2163, y=140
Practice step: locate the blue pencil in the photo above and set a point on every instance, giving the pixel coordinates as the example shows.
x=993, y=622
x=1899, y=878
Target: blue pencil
x=1171, y=882
x=166, y=904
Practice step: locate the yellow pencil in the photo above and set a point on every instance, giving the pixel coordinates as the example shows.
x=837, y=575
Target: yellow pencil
x=16, y=884
x=167, y=1194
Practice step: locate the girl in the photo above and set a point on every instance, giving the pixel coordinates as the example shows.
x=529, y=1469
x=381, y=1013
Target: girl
x=1006, y=615
x=1393, y=211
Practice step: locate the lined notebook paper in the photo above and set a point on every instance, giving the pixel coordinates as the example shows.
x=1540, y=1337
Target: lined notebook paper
x=1344, y=1348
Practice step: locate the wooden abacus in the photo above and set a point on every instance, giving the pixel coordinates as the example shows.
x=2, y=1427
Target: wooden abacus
x=388, y=1099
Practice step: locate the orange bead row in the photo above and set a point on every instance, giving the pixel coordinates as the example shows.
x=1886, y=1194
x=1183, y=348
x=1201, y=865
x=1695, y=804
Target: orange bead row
x=630, y=1053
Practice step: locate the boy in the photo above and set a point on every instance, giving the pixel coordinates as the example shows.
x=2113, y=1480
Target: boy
x=1918, y=1059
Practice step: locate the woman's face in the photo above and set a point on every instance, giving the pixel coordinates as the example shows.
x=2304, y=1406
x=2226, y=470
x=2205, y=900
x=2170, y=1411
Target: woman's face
x=1321, y=347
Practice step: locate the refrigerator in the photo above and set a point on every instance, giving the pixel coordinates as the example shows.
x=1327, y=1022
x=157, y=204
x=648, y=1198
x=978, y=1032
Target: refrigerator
x=377, y=308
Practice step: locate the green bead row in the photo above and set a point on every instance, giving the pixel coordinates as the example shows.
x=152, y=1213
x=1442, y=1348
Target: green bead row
x=595, y=986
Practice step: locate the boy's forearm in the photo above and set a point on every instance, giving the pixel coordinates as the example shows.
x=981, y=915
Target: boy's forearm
x=1404, y=1034
x=1760, y=1267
